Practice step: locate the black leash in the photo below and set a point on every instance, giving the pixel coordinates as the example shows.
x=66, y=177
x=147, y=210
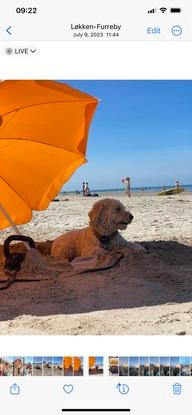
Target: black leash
x=6, y=283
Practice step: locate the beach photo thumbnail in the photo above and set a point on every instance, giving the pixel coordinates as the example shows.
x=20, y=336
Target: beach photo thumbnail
x=78, y=366
x=58, y=366
x=96, y=365
x=73, y=365
x=28, y=366
x=37, y=366
x=68, y=365
x=95, y=179
x=47, y=366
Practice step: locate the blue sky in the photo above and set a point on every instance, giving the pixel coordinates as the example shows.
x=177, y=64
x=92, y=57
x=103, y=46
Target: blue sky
x=58, y=360
x=185, y=361
x=47, y=359
x=133, y=361
x=37, y=359
x=144, y=360
x=154, y=360
x=123, y=360
x=174, y=361
x=28, y=359
x=99, y=360
x=164, y=360
x=141, y=129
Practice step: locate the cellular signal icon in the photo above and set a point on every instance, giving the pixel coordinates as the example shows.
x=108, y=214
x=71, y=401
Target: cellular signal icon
x=152, y=11
x=163, y=9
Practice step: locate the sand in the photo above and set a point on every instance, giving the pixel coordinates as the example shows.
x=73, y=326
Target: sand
x=142, y=294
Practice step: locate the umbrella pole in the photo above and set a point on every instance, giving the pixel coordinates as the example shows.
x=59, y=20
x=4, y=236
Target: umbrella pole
x=17, y=231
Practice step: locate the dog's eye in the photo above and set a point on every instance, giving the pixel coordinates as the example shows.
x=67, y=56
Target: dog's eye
x=118, y=209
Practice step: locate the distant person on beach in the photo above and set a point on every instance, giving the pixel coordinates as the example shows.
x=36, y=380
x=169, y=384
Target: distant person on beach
x=87, y=191
x=177, y=184
x=127, y=182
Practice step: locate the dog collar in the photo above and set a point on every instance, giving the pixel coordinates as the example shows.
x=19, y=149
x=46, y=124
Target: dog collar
x=105, y=239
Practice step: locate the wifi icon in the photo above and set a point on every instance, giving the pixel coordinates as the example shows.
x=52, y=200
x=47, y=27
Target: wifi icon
x=163, y=9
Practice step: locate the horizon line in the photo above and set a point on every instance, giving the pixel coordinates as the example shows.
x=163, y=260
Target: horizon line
x=132, y=188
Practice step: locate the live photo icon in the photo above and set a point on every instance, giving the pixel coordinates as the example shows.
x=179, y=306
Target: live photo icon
x=14, y=389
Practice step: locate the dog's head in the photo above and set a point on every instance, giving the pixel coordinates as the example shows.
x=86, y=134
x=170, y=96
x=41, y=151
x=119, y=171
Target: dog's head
x=108, y=216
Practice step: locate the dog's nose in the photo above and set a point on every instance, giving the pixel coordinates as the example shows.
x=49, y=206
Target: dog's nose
x=131, y=216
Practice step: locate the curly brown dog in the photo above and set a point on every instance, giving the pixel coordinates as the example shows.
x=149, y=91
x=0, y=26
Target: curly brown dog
x=107, y=217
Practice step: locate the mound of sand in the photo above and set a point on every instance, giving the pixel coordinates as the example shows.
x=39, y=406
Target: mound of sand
x=142, y=294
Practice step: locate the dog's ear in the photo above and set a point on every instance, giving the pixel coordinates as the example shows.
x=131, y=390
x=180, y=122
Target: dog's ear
x=95, y=213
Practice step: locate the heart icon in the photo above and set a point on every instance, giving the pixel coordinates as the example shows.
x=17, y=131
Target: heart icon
x=68, y=388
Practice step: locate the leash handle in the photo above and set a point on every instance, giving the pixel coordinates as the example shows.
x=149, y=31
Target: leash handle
x=21, y=238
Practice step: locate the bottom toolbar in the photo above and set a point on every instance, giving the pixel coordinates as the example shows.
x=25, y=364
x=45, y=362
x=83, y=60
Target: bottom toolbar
x=53, y=395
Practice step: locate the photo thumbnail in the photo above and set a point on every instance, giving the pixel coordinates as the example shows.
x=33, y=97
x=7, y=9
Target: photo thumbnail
x=73, y=366
x=185, y=366
x=47, y=366
x=37, y=366
x=164, y=366
x=95, y=365
x=27, y=366
x=144, y=366
x=58, y=366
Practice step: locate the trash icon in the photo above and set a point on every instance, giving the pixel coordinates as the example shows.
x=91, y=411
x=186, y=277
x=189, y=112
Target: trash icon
x=177, y=389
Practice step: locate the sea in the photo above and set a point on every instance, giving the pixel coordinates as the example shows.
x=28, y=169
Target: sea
x=152, y=189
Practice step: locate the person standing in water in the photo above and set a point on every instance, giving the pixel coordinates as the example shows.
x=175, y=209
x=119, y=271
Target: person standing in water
x=177, y=184
x=127, y=182
x=83, y=188
x=87, y=191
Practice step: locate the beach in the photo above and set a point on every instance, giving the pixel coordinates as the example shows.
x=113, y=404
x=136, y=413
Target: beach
x=143, y=294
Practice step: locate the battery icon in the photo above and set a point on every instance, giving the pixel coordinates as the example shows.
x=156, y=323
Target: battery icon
x=175, y=10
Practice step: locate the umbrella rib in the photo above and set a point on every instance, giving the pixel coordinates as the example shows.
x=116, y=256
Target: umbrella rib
x=39, y=142
x=48, y=103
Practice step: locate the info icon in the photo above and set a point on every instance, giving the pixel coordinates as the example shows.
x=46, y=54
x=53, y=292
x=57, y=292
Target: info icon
x=123, y=388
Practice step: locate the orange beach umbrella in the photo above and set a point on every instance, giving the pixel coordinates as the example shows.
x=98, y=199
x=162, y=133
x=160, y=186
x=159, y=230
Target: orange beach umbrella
x=43, y=137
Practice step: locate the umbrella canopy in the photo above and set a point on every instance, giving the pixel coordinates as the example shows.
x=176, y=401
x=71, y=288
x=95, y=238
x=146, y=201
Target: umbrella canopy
x=43, y=137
